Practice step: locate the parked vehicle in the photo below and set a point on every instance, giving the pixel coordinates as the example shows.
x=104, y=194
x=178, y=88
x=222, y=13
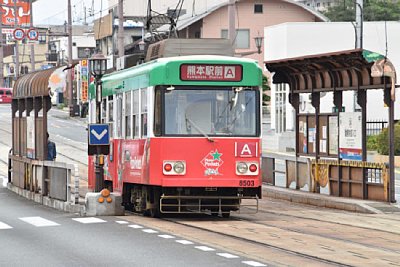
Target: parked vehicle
x=5, y=95
x=185, y=134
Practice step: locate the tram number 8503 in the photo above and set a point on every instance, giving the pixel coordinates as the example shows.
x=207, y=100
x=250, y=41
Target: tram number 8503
x=246, y=183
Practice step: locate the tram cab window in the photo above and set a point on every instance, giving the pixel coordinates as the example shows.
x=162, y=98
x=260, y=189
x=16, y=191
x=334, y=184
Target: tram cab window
x=128, y=114
x=135, y=114
x=211, y=111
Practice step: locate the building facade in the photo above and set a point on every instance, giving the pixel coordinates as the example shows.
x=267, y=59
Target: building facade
x=291, y=40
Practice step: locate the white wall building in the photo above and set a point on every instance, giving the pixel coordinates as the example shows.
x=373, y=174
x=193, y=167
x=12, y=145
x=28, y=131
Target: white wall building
x=290, y=40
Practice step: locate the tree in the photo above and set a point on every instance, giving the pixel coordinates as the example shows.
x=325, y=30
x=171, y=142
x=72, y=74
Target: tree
x=374, y=10
x=265, y=88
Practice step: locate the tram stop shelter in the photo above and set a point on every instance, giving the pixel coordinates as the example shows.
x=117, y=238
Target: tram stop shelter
x=357, y=70
x=29, y=166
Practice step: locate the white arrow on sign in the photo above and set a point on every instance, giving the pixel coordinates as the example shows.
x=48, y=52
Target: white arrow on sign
x=99, y=136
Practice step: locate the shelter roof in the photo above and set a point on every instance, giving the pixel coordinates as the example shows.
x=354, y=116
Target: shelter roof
x=37, y=83
x=342, y=70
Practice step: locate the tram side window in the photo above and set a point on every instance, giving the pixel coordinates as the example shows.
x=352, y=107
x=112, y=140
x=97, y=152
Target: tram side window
x=157, y=113
x=128, y=112
x=110, y=115
x=135, y=114
x=103, y=110
x=143, y=94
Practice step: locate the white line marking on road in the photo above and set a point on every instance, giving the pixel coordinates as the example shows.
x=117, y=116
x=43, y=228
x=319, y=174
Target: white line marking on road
x=204, y=248
x=89, y=220
x=38, y=221
x=227, y=255
x=253, y=263
x=135, y=226
x=184, y=242
x=122, y=222
x=167, y=236
x=150, y=231
x=4, y=226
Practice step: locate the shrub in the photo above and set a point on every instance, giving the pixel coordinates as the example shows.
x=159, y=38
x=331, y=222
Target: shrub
x=372, y=142
x=382, y=141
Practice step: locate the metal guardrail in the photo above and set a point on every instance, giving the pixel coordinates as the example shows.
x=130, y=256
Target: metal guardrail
x=46, y=178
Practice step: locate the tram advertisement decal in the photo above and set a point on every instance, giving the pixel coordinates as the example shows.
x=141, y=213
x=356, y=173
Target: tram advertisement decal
x=212, y=161
x=211, y=72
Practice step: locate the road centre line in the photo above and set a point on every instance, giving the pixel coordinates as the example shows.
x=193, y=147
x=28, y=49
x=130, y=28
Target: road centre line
x=38, y=221
x=89, y=220
x=4, y=226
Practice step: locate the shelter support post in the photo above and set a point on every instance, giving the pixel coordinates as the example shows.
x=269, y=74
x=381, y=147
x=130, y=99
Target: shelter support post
x=362, y=102
x=294, y=100
x=338, y=102
x=315, y=101
x=390, y=103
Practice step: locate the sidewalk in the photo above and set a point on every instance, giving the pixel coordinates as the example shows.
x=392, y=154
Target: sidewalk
x=326, y=201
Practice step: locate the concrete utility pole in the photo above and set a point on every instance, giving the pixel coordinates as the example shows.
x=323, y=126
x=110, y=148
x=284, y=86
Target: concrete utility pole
x=121, y=49
x=69, y=74
x=16, y=49
x=32, y=44
x=1, y=52
x=231, y=21
x=359, y=23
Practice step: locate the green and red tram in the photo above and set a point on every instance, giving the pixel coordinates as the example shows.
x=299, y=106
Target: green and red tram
x=185, y=134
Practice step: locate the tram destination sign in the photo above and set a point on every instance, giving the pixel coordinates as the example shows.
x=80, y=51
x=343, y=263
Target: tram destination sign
x=211, y=72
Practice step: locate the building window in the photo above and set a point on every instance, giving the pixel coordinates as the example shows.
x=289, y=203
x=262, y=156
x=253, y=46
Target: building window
x=258, y=8
x=84, y=53
x=242, y=40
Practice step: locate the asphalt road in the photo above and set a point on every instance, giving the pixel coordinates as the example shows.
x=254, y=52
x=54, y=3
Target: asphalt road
x=34, y=235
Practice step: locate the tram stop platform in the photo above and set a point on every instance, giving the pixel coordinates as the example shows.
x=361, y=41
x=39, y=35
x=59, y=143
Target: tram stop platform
x=327, y=201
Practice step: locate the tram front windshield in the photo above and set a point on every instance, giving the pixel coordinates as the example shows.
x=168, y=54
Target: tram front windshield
x=230, y=111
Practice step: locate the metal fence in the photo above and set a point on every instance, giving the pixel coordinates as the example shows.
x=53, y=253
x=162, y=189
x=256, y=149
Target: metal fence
x=376, y=127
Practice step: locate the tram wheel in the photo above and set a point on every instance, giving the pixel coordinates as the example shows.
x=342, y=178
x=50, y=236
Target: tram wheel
x=226, y=214
x=155, y=211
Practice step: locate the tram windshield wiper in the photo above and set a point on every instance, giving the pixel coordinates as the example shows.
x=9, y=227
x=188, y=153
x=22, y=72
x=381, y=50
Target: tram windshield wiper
x=198, y=129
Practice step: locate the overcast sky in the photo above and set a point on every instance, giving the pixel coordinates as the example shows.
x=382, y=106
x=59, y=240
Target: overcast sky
x=55, y=11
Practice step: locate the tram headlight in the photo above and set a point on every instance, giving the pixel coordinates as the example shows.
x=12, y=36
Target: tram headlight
x=179, y=167
x=241, y=167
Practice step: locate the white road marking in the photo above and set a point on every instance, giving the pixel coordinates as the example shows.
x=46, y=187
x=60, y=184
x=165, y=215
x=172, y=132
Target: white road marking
x=38, y=221
x=122, y=222
x=89, y=220
x=135, y=226
x=150, y=231
x=4, y=226
x=253, y=263
x=184, y=242
x=167, y=236
x=204, y=248
x=227, y=255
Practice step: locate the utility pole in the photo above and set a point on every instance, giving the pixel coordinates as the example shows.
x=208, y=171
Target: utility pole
x=1, y=51
x=70, y=62
x=16, y=51
x=359, y=23
x=121, y=49
x=231, y=21
x=32, y=44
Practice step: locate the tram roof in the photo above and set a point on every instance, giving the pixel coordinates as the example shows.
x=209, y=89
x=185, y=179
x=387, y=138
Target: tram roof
x=165, y=71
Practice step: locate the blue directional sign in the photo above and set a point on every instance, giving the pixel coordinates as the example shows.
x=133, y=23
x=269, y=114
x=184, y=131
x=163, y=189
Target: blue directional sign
x=99, y=134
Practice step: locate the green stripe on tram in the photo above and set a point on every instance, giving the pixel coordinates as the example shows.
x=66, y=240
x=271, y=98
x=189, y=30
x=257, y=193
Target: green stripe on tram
x=165, y=71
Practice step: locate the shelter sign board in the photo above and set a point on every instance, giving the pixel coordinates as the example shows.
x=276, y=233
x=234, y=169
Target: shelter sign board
x=30, y=137
x=350, y=136
x=333, y=135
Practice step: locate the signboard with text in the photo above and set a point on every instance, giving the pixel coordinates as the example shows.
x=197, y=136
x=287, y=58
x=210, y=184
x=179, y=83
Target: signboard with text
x=22, y=13
x=211, y=72
x=350, y=134
x=84, y=80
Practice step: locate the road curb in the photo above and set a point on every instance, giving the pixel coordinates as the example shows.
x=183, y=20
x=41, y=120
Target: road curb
x=318, y=200
x=46, y=201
